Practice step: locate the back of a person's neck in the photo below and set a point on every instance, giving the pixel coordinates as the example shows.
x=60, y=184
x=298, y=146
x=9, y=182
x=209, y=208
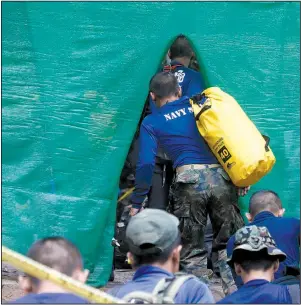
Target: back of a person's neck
x=48, y=287
x=166, y=266
x=182, y=60
x=168, y=100
x=257, y=275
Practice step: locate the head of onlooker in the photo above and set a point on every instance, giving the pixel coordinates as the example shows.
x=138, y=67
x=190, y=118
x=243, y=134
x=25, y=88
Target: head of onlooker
x=181, y=51
x=61, y=255
x=263, y=201
x=255, y=254
x=154, y=243
x=164, y=88
x=256, y=258
x=266, y=210
x=154, y=239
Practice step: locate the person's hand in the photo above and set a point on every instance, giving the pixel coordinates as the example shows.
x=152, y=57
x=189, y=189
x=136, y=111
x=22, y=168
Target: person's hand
x=243, y=191
x=134, y=211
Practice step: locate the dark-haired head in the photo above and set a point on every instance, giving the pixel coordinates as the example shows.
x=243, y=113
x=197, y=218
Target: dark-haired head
x=265, y=200
x=59, y=254
x=164, y=87
x=180, y=48
x=248, y=264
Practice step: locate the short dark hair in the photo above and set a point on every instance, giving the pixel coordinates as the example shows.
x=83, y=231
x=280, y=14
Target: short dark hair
x=57, y=253
x=264, y=200
x=164, y=84
x=156, y=258
x=254, y=260
x=181, y=48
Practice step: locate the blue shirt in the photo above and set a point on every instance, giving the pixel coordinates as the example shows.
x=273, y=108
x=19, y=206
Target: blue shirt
x=147, y=277
x=285, y=231
x=50, y=298
x=173, y=126
x=259, y=292
x=189, y=80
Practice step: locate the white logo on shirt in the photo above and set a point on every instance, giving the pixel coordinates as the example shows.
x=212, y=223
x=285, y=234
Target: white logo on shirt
x=180, y=75
x=177, y=114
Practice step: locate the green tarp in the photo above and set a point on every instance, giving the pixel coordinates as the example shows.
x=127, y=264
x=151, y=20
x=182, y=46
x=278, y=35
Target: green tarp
x=74, y=81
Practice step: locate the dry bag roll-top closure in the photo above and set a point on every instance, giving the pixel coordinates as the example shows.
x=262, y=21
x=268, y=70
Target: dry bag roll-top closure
x=240, y=148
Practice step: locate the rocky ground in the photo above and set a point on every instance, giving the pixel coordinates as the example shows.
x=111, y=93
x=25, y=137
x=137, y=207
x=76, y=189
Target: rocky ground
x=9, y=286
x=11, y=290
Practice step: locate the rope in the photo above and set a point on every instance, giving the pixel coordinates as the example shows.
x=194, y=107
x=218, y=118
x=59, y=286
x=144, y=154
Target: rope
x=42, y=272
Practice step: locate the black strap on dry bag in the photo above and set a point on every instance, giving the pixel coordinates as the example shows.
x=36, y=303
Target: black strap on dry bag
x=267, y=142
x=196, y=99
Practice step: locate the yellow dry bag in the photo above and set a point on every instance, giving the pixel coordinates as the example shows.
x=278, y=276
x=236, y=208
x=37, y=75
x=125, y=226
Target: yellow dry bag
x=239, y=147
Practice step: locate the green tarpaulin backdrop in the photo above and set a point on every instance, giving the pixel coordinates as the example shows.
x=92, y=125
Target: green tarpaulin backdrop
x=74, y=81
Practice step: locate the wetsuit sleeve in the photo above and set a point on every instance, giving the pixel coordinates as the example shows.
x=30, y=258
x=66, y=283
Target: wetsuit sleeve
x=144, y=171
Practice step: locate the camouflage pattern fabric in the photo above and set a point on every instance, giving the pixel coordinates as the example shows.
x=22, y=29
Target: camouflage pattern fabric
x=195, y=194
x=254, y=239
x=228, y=282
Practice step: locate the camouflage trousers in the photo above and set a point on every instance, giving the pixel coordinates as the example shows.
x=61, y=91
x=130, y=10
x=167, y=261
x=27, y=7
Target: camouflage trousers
x=195, y=194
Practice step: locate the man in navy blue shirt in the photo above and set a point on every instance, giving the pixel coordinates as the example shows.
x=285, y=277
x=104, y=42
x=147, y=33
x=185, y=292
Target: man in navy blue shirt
x=191, y=83
x=181, y=53
x=256, y=258
x=61, y=255
x=154, y=244
x=200, y=187
x=265, y=209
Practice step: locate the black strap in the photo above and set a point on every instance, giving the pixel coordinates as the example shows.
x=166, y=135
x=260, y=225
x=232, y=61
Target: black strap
x=197, y=98
x=267, y=142
x=292, y=270
x=204, y=108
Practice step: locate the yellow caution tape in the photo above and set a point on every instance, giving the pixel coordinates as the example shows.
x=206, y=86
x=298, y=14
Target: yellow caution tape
x=127, y=193
x=42, y=272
